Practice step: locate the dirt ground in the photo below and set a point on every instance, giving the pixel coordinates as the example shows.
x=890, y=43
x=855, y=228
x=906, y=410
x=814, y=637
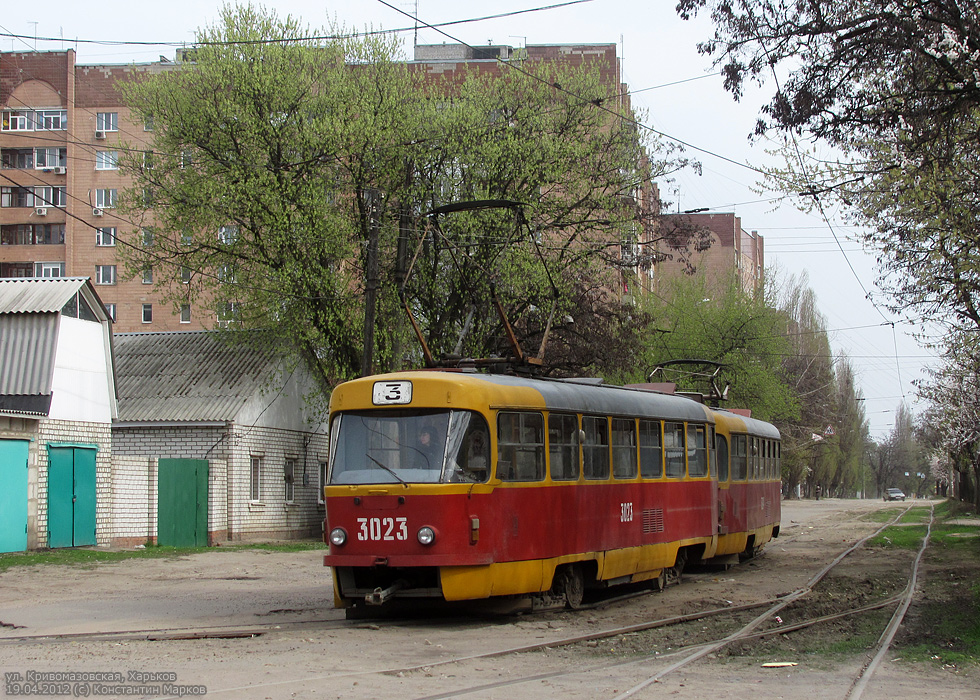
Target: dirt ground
x=428, y=658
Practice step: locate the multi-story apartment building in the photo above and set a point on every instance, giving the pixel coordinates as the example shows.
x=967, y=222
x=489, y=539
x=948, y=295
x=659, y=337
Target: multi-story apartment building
x=61, y=141
x=64, y=129
x=733, y=251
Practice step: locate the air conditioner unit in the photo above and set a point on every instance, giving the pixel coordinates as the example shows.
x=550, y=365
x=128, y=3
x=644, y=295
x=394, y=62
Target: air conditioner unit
x=41, y=211
x=96, y=212
x=60, y=170
x=100, y=134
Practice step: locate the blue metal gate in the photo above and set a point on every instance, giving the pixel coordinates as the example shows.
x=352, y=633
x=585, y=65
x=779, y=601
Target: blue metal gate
x=13, y=495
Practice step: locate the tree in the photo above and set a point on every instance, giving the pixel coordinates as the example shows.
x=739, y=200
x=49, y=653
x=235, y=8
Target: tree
x=289, y=178
x=256, y=188
x=892, y=87
x=808, y=367
x=697, y=319
x=953, y=417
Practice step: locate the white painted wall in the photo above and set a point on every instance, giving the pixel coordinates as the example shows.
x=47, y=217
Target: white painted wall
x=282, y=405
x=81, y=385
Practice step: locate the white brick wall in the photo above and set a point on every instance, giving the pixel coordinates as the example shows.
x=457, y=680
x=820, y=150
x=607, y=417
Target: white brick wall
x=231, y=513
x=75, y=432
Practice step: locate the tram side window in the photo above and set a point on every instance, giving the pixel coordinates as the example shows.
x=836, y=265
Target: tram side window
x=739, y=458
x=651, y=453
x=520, y=446
x=779, y=461
x=624, y=448
x=563, y=447
x=721, y=452
x=697, y=450
x=753, y=458
x=674, y=449
x=595, y=452
x=712, y=452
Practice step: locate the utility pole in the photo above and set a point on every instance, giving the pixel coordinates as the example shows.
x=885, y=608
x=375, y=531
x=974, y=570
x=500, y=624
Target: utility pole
x=371, y=197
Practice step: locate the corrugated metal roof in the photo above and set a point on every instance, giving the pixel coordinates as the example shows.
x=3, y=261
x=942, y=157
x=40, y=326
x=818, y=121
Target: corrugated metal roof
x=27, y=348
x=37, y=295
x=186, y=376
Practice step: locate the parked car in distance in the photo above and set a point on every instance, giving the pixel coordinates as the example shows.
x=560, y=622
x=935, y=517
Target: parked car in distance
x=894, y=495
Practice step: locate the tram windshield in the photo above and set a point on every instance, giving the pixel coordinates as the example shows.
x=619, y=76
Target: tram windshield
x=409, y=446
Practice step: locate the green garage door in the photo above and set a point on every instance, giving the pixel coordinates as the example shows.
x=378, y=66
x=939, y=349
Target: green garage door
x=182, y=504
x=71, y=496
x=13, y=495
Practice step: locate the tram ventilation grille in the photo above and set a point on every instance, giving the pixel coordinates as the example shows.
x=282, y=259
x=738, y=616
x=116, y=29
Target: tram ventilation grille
x=653, y=520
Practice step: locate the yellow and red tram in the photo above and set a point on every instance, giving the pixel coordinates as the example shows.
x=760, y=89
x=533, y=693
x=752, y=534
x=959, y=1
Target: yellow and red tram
x=458, y=485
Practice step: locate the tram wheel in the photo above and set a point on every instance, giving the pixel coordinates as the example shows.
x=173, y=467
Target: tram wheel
x=570, y=585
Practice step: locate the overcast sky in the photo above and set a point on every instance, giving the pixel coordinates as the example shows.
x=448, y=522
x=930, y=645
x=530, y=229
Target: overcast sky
x=679, y=90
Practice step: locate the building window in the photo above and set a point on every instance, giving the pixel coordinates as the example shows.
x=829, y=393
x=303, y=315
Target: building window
x=227, y=235
x=226, y=274
x=147, y=237
x=107, y=121
x=19, y=120
x=107, y=160
x=148, y=276
x=51, y=120
x=185, y=275
x=105, y=274
x=111, y=310
x=50, y=157
x=148, y=123
x=185, y=313
x=105, y=236
x=32, y=234
x=288, y=474
x=105, y=199
x=16, y=197
x=17, y=158
x=47, y=270
x=147, y=313
x=255, y=474
x=227, y=313
x=50, y=197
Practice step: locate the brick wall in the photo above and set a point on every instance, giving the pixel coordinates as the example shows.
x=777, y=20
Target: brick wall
x=77, y=433
x=232, y=514
x=270, y=516
x=134, y=501
x=198, y=442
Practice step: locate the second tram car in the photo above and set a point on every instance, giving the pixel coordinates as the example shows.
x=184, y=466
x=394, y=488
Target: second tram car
x=456, y=485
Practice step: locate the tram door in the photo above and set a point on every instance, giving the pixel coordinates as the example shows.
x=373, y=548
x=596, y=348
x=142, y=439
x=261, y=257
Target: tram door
x=13, y=495
x=71, y=496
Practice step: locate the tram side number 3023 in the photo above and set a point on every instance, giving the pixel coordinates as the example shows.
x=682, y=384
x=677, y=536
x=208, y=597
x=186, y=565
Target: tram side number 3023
x=625, y=512
x=382, y=529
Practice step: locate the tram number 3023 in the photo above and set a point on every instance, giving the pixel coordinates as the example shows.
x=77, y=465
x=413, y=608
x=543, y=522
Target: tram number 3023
x=625, y=512
x=382, y=529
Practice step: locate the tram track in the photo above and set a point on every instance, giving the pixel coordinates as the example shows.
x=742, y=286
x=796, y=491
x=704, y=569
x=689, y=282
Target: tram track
x=588, y=664
x=747, y=632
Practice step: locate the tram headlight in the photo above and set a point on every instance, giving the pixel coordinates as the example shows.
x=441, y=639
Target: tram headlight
x=426, y=535
x=338, y=537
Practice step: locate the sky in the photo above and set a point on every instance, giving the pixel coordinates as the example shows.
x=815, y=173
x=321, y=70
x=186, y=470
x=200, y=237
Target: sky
x=679, y=91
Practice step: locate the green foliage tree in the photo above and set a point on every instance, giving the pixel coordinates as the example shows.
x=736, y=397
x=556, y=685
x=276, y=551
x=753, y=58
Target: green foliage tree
x=288, y=180
x=702, y=319
x=808, y=367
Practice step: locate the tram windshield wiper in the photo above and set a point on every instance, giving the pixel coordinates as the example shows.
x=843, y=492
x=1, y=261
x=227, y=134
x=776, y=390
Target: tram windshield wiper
x=387, y=469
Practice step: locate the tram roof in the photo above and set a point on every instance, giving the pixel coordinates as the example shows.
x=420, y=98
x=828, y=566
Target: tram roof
x=753, y=426
x=575, y=395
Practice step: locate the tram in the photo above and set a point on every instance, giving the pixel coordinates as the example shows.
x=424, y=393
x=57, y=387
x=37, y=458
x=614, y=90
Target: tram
x=458, y=485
